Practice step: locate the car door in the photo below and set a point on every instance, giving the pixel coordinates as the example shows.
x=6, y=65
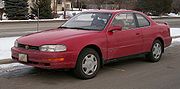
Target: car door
x=126, y=42
x=147, y=31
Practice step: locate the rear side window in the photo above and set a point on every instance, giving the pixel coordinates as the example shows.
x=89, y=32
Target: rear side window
x=142, y=21
x=126, y=20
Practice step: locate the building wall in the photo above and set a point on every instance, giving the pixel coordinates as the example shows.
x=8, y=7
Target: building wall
x=1, y=4
x=57, y=5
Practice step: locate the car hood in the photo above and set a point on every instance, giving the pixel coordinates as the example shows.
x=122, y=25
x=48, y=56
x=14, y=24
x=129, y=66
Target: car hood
x=51, y=36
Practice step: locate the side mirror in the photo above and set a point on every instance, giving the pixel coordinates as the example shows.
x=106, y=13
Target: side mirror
x=115, y=28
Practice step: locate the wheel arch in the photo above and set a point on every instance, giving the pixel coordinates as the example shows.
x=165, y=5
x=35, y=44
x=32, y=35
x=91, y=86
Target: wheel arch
x=161, y=40
x=97, y=49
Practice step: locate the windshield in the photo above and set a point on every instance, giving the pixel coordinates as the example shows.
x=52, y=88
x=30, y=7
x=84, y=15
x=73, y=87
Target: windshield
x=88, y=21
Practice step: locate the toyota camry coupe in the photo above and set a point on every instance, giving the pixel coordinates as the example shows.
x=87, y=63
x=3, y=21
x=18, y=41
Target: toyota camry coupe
x=92, y=38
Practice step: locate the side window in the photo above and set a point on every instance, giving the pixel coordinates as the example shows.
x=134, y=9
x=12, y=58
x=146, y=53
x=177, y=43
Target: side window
x=142, y=21
x=127, y=21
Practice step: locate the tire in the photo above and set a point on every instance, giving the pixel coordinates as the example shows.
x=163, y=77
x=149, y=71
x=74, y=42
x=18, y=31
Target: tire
x=156, y=51
x=88, y=64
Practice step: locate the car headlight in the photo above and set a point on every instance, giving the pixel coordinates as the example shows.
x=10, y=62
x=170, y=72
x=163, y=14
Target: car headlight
x=16, y=44
x=53, y=48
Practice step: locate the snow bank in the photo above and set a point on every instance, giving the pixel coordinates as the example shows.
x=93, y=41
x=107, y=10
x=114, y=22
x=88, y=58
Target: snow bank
x=173, y=15
x=5, y=47
x=175, y=32
x=5, y=68
x=175, y=42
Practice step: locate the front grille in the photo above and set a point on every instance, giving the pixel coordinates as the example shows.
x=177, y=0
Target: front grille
x=28, y=47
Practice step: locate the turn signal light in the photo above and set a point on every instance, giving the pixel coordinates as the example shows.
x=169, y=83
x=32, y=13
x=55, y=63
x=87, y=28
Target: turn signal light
x=56, y=59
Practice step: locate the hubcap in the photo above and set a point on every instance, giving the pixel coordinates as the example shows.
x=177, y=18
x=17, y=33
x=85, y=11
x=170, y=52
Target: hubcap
x=157, y=50
x=89, y=64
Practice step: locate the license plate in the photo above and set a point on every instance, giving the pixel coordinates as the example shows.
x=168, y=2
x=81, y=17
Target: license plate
x=23, y=57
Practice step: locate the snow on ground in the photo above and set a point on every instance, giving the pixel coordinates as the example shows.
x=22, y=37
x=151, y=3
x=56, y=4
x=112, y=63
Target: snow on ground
x=5, y=47
x=175, y=42
x=7, y=43
x=175, y=32
x=173, y=15
x=10, y=67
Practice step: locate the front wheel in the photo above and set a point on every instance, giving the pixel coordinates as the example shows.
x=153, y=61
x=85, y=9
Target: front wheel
x=88, y=64
x=156, y=51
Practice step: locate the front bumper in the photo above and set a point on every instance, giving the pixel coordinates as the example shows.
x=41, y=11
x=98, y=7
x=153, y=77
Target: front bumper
x=41, y=59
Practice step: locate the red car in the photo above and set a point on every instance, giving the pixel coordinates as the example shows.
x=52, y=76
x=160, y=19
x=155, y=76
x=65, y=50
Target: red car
x=91, y=39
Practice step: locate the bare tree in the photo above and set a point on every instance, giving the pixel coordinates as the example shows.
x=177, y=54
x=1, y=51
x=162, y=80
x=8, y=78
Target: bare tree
x=99, y=3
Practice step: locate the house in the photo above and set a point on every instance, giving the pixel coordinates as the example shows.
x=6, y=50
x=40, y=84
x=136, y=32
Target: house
x=56, y=5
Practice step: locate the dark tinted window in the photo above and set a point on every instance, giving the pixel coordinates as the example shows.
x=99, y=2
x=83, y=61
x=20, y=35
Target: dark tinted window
x=143, y=22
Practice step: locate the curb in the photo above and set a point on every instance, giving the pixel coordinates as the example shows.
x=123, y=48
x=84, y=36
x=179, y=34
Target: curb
x=174, y=37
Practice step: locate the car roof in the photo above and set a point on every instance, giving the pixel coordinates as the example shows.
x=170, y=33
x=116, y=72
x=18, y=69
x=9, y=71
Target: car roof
x=110, y=11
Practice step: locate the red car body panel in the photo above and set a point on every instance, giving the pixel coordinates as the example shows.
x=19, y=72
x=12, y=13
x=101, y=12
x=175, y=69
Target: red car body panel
x=111, y=45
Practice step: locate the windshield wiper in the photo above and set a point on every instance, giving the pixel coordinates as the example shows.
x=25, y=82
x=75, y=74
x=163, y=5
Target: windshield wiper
x=63, y=27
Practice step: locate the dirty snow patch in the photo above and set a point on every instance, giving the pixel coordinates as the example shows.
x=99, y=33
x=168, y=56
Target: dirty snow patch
x=10, y=67
x=175, y=42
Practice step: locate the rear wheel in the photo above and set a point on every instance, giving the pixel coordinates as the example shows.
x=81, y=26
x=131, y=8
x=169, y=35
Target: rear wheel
x=88, y=64
x=156, y=51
